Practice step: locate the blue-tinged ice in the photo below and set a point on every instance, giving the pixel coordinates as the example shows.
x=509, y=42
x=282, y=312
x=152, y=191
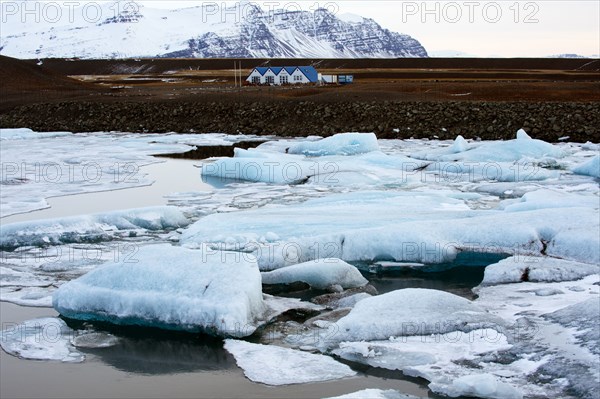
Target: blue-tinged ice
x=523, y=147
x=89, y=228
x=339, y=144
x=172, y=288
x=320, y=274
x=412, y=311
x=536, y=269
x=589, y=168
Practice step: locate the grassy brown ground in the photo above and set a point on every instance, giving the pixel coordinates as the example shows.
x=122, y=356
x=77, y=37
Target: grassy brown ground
x=558, y=96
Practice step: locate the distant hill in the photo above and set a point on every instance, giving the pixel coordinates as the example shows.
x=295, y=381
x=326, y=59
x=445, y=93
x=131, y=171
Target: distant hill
x=21, y=76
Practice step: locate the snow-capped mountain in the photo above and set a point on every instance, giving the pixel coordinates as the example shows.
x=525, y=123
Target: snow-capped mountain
x=121, y=30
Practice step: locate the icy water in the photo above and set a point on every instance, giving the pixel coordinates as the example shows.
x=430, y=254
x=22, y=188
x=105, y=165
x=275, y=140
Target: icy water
x=105, y=201
x=150, y=363
x=154, y=364
x=368, y=205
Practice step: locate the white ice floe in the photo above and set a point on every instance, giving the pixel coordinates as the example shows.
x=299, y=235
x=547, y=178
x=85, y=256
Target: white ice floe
x=274, y=365
x=46, y=338
x=421, y=355
x=408, y=226
x=413, y=311
x=375, y=394
x=28, y=296
x=584, y=318
x=558, y=332
x=28, y=134
x=524, y=147
x=170, y=287
x=280, y=168
x=338, y=144
x=479, y=386
x=589, y=168
x=320, y=274
x=89, y=228
x=548, y=199
x=536, y=269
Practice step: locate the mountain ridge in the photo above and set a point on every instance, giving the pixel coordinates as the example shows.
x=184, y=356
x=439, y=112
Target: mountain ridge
x=241, y=31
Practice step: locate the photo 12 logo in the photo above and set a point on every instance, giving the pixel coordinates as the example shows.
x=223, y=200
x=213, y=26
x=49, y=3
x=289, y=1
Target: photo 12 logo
x=99, y=12
x=66, y=12
x=454, y=12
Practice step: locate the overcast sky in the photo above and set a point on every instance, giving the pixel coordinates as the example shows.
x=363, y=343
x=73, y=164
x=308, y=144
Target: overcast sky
x=504, y=28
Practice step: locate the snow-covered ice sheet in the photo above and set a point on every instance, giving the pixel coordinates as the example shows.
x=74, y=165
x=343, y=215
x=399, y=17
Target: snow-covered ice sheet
x=402, y=226
x=89, y=228
x=320, y=274
x=536, y=269
x=170, y=287
x=46, y=338
x=274, y=365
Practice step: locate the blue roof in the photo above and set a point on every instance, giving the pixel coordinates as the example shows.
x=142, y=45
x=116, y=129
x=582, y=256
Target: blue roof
x=310, y=72
x=262, y=70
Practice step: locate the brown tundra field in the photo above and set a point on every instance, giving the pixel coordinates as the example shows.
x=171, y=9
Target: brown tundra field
x=395, y=98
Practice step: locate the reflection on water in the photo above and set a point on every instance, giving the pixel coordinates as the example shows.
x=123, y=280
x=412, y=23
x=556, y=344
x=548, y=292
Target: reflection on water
x=458, y=277
x=169, y=176
x=167, y=353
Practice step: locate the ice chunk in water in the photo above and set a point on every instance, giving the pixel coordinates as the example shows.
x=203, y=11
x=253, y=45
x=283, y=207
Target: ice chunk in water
x=320, y=274
x=170, y=287
x=339, y=144
x=274, y=365
x=46, y=338
x=412, y=311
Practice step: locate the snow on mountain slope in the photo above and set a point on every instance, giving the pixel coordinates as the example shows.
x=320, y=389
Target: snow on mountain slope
x=125, y=29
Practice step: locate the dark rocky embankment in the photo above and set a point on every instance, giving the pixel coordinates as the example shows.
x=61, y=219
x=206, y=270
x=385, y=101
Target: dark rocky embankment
x=389, y=119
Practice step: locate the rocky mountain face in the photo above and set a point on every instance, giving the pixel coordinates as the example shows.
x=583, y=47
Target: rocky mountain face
x=241, y=31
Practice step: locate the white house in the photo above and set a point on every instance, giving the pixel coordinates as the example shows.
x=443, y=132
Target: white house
x=283, y=75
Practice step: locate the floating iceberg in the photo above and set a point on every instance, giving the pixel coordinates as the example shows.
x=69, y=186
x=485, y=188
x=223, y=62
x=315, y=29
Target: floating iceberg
x=46, y=338
x=319, y=274
x=413, y=311
x=589, y=168
x=172, y=288
x=274, y=365
x=90, y=228
x=339, y=144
